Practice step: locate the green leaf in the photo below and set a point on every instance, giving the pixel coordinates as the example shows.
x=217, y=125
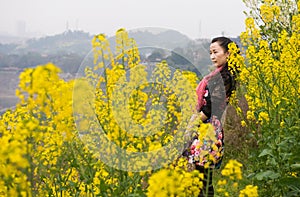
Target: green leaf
x=265, y=152
x=267, y=175
x=296, y=166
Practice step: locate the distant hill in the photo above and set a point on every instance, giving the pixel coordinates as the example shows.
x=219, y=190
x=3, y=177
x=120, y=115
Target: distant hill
x=80, y=42
x=9, y=39
x=68, y=49
x=167, y=39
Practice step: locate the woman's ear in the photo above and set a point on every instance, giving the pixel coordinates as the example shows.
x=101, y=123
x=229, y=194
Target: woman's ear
x=227, y=54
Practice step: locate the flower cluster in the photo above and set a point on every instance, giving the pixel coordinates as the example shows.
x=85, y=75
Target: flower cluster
x=229, y=184
x=233, y=170
x=176, y=181
x=249, y=191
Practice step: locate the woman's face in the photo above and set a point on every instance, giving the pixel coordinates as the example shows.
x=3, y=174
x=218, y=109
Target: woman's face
x=218, y=55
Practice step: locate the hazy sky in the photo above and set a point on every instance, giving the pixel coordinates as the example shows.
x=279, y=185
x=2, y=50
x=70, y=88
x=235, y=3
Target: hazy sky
x=194, y=18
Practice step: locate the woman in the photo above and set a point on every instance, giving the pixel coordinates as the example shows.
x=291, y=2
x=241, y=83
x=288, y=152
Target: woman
x=213, y=93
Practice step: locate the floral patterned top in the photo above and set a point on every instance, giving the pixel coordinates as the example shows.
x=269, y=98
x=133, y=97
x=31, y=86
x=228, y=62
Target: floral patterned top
x=208, y=149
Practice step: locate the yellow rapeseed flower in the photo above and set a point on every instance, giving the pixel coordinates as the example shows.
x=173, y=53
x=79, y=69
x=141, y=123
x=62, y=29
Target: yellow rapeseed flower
x=249, y=191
